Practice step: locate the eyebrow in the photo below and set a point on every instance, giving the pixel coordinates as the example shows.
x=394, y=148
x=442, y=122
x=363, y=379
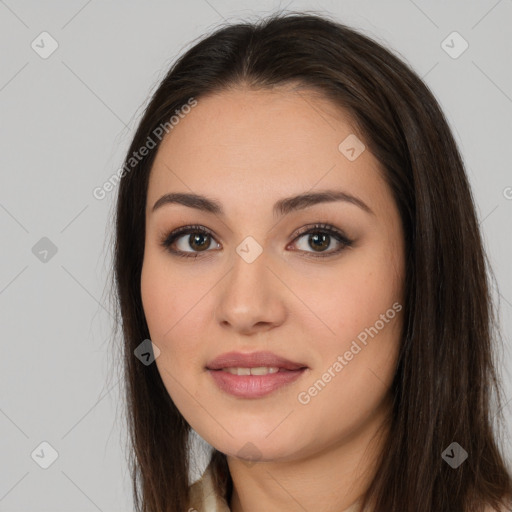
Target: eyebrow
x=281, y=207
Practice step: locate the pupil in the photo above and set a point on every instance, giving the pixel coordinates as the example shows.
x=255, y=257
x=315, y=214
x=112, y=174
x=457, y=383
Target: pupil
x=200, y=237
x=323, y=238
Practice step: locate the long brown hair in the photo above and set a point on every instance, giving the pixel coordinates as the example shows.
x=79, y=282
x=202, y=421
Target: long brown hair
x=447, y=369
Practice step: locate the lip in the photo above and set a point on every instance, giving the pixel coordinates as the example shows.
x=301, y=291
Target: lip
x=253, y=386
x=253, y=360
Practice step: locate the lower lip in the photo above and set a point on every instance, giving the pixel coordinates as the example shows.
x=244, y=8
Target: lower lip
x=253, y=386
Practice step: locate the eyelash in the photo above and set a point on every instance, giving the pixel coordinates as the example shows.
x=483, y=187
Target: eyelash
x=325, y=229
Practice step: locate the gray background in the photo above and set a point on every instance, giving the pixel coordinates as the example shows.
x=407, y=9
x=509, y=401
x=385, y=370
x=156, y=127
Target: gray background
x=66, y=123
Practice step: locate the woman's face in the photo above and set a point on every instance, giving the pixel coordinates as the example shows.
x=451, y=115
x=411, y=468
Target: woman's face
x=264, y=279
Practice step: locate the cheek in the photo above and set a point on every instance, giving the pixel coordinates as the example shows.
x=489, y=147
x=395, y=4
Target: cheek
x=164, y=298
x=356, y=364
x=175, y=314
x=360, y=310
x=165, y=309
x=352, y=297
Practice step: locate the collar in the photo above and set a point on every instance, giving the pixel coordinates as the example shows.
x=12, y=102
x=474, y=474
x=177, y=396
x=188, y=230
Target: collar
x=204, y=498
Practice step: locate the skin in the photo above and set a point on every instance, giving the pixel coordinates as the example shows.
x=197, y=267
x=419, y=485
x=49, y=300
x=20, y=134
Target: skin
x=247, y=149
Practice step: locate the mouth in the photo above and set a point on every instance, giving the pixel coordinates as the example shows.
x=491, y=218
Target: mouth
x=253, y=375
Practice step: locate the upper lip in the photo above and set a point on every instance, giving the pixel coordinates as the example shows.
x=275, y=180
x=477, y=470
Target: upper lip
x=253, y=360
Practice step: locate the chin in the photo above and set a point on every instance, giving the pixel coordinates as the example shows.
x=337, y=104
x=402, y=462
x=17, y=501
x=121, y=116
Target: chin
x=253, y=445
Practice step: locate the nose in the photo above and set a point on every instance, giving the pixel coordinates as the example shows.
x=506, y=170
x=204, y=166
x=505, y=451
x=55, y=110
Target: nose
x=252, y=298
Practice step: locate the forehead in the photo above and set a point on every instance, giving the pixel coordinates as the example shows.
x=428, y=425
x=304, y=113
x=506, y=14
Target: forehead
x=260, y=143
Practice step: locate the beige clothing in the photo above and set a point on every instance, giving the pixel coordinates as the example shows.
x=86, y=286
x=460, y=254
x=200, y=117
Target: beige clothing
x=203, y=497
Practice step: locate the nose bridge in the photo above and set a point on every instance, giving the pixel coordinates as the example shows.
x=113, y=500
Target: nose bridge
x=248, y=280
x=249, y=296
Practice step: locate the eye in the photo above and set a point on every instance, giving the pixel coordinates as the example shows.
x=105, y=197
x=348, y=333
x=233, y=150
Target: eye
x=200, y=239
x=320, y=237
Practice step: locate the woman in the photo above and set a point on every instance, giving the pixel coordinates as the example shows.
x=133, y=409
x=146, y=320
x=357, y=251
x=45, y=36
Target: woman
x=296, y=235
